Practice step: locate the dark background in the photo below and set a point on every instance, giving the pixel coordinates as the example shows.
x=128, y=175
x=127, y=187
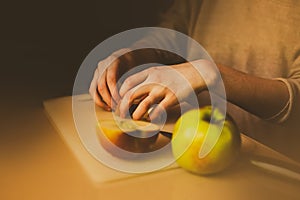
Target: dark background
x=44, y=42
x=42, y=45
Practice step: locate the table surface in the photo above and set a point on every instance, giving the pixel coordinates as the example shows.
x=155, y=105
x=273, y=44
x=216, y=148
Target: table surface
x=37, y=164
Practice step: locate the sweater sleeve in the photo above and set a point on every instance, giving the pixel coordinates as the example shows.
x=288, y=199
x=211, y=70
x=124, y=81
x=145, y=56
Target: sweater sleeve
x=292, y=83
x=293, y=80
x=180, y=16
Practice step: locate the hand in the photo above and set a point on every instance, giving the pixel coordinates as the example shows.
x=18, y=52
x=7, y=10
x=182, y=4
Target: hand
x=166, y=86
x=103, y=87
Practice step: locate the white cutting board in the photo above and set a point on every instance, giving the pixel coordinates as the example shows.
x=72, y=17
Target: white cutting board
x=60, y=114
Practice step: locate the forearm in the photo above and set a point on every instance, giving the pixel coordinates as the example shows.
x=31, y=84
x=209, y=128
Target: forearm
x=149, y=55
x=259, y=96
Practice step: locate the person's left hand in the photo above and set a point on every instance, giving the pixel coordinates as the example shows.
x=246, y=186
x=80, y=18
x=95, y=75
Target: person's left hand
x=166, y=86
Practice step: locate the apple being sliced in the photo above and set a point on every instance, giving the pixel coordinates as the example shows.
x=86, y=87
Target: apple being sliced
x=125, y=134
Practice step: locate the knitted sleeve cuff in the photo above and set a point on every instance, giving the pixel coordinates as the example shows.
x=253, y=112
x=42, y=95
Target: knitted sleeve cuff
x=284, y=113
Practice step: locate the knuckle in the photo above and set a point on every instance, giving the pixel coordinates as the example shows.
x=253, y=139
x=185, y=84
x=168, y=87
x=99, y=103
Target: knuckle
x=100, y=88
x=111, y=60
x=154, y=69
x=151, y=70
x=172, y=96
x=128, y=82
x=129, y=97
x=113, y=63
x=100, y=64
x=116, y=62
x=149, y=100
x=103, y=65
x=111, y=78
x=144, y=105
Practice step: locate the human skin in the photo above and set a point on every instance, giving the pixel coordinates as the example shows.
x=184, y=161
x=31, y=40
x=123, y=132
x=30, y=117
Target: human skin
x=165, y=86
x=103, y=87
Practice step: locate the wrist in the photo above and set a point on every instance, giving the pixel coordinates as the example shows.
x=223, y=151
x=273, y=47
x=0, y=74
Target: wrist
x=192, y=75
x=151, y=55
x=203, y=74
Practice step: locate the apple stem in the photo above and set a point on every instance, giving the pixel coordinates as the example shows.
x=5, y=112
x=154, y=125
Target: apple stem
x=214, y=120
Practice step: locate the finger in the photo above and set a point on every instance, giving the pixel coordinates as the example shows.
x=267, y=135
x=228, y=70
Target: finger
x=103, y=90
x=112, y=83
x=99, y=101
x=93, y=85
x=166, y=103
x=145, y=105
x=132, y=81
x=139, y=92
x=94, y=93
x=147, y=94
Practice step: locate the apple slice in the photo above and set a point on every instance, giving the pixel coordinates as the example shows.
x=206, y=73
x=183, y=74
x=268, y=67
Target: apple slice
x=125, y=134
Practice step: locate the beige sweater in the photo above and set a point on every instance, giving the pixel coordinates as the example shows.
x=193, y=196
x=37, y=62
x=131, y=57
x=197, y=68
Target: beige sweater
x=261, y=38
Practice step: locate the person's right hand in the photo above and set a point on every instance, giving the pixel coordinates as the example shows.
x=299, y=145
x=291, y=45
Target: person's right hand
x=165, y=87
x=103, y=87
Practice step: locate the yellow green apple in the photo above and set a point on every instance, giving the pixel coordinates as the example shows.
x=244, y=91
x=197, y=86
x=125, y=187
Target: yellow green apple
x=190, y=132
